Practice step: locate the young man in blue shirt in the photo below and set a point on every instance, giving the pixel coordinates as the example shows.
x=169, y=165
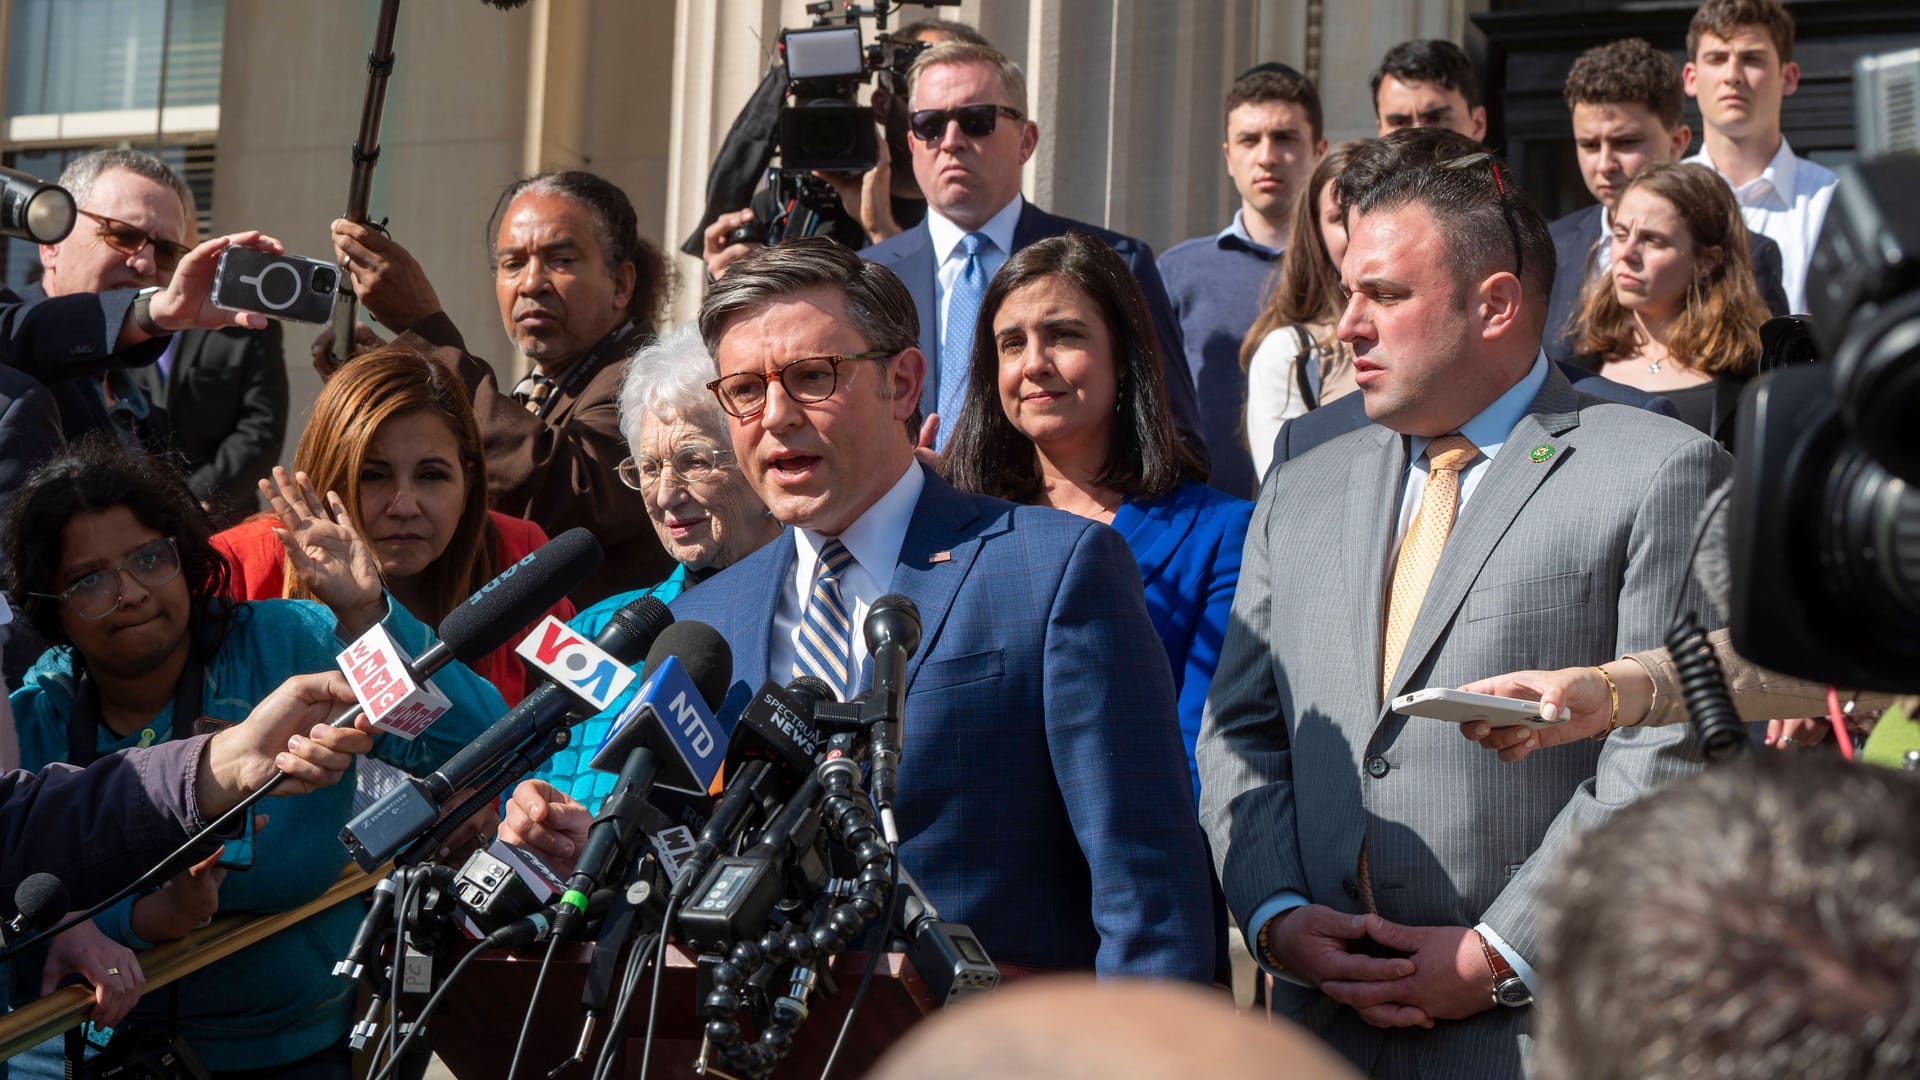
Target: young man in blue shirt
x=1216, y=282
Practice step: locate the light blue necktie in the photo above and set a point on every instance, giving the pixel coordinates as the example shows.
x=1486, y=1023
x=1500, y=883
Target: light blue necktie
x=956, y=337
x=824, y=648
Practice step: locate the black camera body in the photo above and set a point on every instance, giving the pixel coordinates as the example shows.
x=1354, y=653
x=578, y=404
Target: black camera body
x=1824, y=521
x=823, y=125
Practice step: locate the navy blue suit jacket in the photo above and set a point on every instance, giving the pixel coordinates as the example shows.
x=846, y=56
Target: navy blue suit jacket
x=1349, y=413
x=910, y=255
x=1044, y=799
x=1573, y=240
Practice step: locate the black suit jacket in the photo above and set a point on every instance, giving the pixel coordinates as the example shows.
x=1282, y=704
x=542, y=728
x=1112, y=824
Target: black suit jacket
x=1573, y=239
x=67, y=343
x=1349, y=413
x=225, y=396
x=910, y=255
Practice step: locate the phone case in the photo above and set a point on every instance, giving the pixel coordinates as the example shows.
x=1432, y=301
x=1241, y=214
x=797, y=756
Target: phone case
x=1461, y=707
x=277, y=286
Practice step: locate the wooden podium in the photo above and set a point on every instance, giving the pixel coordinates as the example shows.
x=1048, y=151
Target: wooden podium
x=474, y=1029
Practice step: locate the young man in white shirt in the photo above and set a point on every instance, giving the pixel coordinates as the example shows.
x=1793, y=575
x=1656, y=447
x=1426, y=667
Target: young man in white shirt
x=1739, y=67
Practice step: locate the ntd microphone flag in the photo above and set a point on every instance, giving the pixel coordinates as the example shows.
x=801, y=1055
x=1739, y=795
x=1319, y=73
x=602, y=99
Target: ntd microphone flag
x=669, y=715
x=575, y=663
x=381, y=674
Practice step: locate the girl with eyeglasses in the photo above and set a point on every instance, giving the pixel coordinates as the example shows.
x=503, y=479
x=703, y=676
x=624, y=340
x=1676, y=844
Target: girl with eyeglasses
x=393, y=433
x=113, y=561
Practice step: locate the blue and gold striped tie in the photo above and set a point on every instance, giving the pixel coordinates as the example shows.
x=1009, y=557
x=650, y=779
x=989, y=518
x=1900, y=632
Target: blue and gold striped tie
x=824, y=648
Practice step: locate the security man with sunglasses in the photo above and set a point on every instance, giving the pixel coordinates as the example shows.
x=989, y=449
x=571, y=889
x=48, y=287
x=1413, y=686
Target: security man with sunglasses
x=970, y=136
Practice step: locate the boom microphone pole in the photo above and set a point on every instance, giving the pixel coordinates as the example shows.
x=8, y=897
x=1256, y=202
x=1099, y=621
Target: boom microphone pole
x=366, y=154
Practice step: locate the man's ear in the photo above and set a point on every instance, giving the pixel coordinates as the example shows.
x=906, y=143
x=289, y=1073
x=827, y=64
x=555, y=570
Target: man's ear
x=906, y=374
x=1479, y=114
x=1502, y=306
x=1789, y=79
x=1682, y=137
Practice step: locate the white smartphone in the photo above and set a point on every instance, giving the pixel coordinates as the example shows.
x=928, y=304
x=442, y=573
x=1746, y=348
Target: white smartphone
x=1461, y=707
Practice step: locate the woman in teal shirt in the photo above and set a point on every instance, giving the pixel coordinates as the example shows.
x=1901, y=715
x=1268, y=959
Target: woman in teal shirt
x=112, y=560
x=707, y=515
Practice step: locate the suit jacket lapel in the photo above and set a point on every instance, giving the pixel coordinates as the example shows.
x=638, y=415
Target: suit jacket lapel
x=1497, y=500
x=917, y=271
x=935, y=557
x=750, y=662
x=1374, y=480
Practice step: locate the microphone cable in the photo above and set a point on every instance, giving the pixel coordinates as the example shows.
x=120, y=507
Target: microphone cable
x=874, y=949
x=659, y=965
x=526, y=1023
x=637, y=960
x=1703, y=683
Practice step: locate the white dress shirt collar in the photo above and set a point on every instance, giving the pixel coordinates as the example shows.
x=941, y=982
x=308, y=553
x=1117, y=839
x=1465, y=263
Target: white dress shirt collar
x=946, y=236
x=1773, y=188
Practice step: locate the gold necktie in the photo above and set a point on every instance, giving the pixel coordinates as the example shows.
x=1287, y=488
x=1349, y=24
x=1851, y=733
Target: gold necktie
x=1420, y=550
x=1413, y=572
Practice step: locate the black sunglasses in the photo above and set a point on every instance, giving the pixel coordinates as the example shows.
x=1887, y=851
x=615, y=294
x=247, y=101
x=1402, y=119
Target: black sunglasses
x=976, y=121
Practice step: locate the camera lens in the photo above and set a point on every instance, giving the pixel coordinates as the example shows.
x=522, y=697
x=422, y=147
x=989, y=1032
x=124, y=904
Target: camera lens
x=325, y=279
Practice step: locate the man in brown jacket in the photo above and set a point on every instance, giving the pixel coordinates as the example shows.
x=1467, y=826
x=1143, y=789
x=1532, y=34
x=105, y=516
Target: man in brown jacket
x=579, y=290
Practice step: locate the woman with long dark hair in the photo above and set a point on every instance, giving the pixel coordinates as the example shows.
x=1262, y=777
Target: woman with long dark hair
x=393, y=433
x=113, y=561
x=1066, y=407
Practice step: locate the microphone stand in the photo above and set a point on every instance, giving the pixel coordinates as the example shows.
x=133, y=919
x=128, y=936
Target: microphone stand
x=366, y=154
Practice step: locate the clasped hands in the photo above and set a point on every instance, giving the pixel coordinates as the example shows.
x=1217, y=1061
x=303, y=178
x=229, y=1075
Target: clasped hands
x=1444, y=975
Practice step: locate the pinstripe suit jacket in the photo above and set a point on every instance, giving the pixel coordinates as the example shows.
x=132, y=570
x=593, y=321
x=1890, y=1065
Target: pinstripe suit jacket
x=1571, y=554
x=1044, y=798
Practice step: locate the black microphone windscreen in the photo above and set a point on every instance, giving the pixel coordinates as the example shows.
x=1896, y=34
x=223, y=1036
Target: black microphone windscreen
x=520, y=595
x=41, y=899
x=703, y=652
x=634, y=628
x=813, y=687
x=893, y=618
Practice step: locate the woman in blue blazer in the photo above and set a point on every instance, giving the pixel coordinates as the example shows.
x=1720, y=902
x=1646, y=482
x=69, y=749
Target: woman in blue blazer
x=1067, y=407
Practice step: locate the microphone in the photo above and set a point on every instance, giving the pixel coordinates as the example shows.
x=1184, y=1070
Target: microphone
x=948, y=956
x=769, y=755
x=487, y=619
x=402, y=814
x=893, y=634
x=665, y=735
x=40, y=900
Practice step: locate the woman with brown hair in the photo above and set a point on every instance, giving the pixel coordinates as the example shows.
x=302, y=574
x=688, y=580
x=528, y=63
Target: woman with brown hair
x=392, y=432
x=1293, y=361
x=1677, y=313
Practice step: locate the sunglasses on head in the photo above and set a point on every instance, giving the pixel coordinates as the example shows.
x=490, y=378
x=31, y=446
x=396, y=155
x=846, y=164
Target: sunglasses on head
x=976, y=121
x=129, y=240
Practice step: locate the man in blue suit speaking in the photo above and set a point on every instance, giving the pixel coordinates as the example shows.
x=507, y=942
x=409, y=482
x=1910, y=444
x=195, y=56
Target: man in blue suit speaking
x=1044, y=798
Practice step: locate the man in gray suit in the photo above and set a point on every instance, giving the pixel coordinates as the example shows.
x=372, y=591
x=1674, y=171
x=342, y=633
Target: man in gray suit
x=1491, y=517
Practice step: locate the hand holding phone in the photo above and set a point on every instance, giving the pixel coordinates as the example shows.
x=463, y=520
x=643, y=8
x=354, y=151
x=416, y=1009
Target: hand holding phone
x=278, y=286
x=1464, y=707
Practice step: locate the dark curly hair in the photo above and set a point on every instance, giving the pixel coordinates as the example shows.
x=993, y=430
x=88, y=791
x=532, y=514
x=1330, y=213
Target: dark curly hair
x=1628, y=72
x=94, y=476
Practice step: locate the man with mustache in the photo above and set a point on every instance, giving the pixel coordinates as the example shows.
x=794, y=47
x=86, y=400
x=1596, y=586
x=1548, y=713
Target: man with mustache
x=971, y=133
x=1740, y=69
x=579, y=290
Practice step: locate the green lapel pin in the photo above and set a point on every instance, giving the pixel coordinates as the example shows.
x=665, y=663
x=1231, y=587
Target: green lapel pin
x=1540, y=453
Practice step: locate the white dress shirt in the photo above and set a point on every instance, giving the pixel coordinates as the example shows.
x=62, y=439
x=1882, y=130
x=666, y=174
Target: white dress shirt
x=874, y=541
x=949, y=258
x=1788, y=203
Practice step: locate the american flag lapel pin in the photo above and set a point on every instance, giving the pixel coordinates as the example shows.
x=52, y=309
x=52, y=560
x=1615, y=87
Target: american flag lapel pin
x=940, y=557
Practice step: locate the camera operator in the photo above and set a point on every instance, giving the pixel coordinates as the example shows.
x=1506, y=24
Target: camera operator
x=872, y=206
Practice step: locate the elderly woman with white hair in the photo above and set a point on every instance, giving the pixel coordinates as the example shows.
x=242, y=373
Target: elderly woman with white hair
x=707, y=516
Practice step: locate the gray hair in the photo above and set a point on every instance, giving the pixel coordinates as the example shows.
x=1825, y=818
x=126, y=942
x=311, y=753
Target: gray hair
x=1756, y=921
x=81, y=173
x=1013, y=82
x=667, y=380
x=878, y=305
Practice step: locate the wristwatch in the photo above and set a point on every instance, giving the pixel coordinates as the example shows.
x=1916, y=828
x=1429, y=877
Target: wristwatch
x=143, y=313
x=1508, y=988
